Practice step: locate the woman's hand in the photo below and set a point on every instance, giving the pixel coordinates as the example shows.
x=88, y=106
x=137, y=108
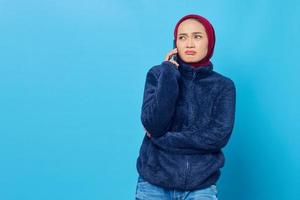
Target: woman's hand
x=148, y=134
x=169, y=55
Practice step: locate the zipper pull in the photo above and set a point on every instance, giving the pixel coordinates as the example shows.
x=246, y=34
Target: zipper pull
x=194, y=75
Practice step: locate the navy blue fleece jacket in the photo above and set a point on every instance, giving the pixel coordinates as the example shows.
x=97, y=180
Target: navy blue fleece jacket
x=190, y=114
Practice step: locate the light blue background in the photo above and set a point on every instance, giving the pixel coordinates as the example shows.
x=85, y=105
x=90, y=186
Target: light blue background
x=71, y=81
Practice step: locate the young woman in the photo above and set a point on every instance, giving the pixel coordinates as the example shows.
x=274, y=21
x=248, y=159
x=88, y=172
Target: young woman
x=188, y=114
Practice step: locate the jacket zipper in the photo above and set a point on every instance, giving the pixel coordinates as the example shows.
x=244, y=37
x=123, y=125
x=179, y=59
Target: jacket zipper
x=192, y=88
x=187, y=161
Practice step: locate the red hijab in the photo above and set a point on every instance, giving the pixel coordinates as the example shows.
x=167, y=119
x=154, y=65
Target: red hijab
x=210, y=35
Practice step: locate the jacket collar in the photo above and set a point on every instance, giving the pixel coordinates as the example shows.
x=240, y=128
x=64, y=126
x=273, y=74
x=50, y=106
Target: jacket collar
x=194, y=72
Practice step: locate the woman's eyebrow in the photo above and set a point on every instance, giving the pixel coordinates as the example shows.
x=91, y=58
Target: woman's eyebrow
x=194, y=33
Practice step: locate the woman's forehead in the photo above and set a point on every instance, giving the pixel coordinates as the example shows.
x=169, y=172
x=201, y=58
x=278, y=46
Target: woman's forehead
x=191, y=25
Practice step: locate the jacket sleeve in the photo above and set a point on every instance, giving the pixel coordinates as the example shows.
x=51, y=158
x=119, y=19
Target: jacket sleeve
x=210, y=138
x=159, y=99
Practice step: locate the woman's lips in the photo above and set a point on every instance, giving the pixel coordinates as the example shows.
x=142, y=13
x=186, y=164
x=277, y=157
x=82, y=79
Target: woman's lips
x=189, y=52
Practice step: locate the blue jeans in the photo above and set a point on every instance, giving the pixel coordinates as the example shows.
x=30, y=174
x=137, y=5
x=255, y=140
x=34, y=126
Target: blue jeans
x=148, y=191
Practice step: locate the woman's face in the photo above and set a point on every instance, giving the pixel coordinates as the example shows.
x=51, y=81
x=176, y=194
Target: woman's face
x=192, y=41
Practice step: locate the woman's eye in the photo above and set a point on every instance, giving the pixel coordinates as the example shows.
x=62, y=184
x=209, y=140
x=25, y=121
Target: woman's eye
x=181, y=37
x=198, y=36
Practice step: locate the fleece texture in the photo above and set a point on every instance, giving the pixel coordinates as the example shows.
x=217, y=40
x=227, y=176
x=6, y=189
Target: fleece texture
x=190, y=114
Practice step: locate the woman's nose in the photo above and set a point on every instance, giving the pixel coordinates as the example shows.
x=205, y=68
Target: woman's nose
x=190, y=43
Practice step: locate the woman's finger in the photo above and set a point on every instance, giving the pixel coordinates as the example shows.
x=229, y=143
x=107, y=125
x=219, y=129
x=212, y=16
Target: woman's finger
x=172, y=52
x=149, y=135
x=174, y=62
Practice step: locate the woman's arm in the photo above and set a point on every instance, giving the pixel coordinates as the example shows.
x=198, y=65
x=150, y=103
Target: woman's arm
x=159, y=99
x=210, y=138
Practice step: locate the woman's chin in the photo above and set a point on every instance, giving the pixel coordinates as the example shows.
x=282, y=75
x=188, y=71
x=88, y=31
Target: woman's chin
x=190, y=60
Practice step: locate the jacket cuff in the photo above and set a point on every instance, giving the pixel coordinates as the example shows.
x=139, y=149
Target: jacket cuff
x=170, y=68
